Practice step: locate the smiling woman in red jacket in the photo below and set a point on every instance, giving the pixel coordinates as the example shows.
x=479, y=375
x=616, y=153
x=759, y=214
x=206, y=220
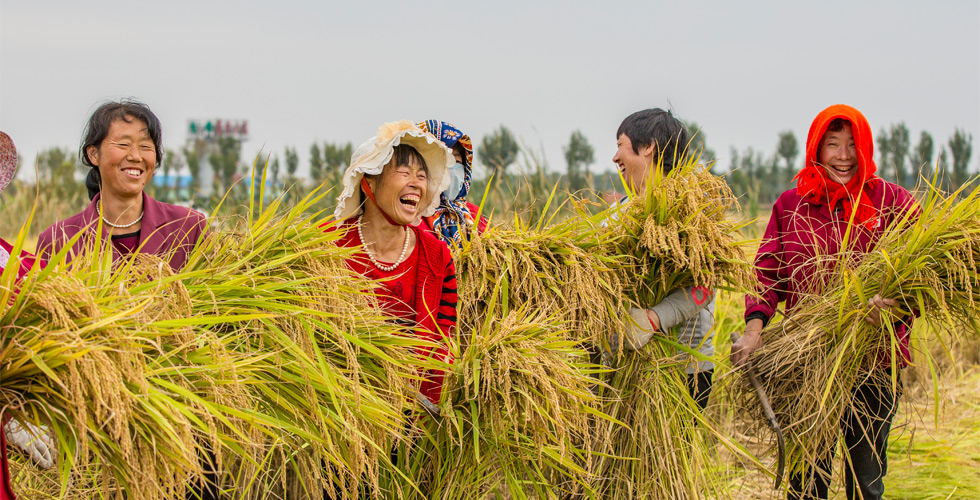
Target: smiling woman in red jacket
x=394, y=179
x=836, y=192
x=123, y=145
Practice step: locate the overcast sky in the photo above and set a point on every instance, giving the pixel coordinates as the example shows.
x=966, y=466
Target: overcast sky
x=301, y=71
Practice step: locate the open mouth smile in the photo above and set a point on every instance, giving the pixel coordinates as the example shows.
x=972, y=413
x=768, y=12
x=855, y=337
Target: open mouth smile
x=410, y=202
x=133, y=173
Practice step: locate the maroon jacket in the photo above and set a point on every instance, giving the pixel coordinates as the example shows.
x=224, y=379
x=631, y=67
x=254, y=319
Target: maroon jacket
x=788, y=265
x=168, y=231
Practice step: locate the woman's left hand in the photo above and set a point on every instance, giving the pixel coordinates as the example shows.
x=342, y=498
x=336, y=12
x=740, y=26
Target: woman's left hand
x=879, y=308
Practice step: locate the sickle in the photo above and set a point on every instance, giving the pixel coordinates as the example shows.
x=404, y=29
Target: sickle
x=427, y=405
x=770, y=415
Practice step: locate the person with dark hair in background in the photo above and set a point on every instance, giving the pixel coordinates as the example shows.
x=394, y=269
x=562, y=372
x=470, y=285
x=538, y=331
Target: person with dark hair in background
x=652, y=142
x=454, y=218
x=123, y=145
x=838, y=200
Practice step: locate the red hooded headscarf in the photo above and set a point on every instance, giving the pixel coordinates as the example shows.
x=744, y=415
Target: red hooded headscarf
x=813, y=182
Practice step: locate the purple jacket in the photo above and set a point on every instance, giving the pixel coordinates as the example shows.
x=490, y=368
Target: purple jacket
x=168, y=231
x=800, y=243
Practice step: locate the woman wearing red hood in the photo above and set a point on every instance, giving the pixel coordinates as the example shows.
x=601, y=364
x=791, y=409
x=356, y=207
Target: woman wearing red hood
x=837, y=191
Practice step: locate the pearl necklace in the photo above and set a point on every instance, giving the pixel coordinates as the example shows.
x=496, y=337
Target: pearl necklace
x=117, y=226
x=380, y=266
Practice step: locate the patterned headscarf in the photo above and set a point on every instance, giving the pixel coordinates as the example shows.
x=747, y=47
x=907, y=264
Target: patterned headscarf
x=453, y=219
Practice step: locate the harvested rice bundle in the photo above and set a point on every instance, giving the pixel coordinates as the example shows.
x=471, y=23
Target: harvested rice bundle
x=562, y=270
x=80, y=359
x=264, y=345
x=657, y=451
x=520, y=408
x=813, y=360
x=678, y=234
x=343, y=369
x=675, y=235
x=587, y=276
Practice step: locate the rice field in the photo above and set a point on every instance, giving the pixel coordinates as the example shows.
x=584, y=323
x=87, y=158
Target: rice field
x=295, y=384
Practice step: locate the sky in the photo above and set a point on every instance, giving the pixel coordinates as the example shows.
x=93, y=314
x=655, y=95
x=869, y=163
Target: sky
x=305, y=71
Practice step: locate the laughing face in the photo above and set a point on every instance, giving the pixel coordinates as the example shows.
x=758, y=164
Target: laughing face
x=837, y=155
x=126, y=159
x=400, y=189
x=634, y=165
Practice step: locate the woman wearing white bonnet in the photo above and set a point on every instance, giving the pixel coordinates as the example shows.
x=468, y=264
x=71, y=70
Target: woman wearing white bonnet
x=394, y=179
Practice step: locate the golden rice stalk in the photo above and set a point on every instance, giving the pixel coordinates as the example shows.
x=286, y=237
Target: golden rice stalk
x=78, y=359
x=678, y=233
x=675, y=234
x=558, y=270
x=519, y=405
x=664, y=449
x=264, y=344
x=586, y=272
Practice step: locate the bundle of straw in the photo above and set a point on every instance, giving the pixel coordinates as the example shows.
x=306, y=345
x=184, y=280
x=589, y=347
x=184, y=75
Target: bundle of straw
x=564, y=270
x=814, y=359
x=583, y=276
x=264, y=347
x=518, y=405
x=676, y=235
x=519, y=408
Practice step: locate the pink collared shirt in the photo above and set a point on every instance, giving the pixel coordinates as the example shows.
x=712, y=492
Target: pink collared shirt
x=168, y=231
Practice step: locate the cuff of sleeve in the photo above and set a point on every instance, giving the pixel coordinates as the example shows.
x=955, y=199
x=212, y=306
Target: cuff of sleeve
x=758, y=315
x=667, y=315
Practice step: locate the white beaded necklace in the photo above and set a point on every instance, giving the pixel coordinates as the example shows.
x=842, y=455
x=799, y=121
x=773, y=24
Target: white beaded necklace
x=117, y=226
x=380, y=266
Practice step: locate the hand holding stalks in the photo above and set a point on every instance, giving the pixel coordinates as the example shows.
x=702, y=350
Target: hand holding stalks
x=878, y=307
x=750, y=342
x=35, y=441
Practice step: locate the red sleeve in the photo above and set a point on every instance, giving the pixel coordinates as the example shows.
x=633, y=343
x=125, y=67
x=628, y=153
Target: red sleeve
x=431, y=387
x=446, y=314
x=767, y=260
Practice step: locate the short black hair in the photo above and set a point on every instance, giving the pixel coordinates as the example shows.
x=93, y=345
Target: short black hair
x=403, y=154
x=98, y=128
x=658, y=127
x=407, y=155
x=837, y=124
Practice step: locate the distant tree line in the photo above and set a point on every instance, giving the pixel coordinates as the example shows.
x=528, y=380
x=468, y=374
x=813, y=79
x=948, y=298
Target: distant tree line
x=754, y=175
